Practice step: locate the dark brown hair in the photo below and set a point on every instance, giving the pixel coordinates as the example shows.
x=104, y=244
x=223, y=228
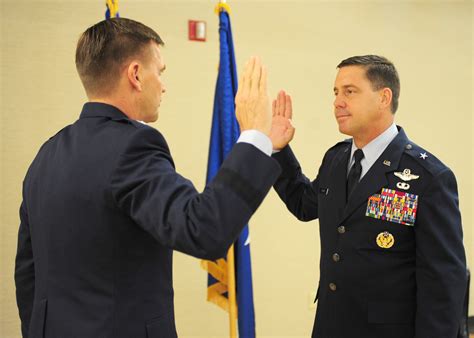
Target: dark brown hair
x=103, y=48
x=380, y=72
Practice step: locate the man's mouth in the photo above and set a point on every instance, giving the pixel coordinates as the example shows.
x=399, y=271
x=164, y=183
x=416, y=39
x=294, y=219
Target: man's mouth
x=342, y=116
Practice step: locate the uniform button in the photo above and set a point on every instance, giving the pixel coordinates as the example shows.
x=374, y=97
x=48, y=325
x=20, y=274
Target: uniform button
x=408, y=146
x=341, y=229
x=336, y=257
x=332, y=286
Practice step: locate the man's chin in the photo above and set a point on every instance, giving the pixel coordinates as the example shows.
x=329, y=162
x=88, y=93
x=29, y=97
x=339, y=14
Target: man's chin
x=344, y=130
x=153, y=118
x=341, y=127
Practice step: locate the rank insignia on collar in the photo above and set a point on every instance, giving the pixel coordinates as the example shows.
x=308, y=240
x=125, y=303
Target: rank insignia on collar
x=385, y=240
x=406, y=175
x=393, y=206
x=387, y=163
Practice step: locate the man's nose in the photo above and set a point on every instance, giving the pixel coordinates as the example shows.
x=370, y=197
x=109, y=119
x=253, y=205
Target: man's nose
x=339, y=102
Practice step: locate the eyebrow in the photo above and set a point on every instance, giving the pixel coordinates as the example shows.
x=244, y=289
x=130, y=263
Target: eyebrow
x=347, y=86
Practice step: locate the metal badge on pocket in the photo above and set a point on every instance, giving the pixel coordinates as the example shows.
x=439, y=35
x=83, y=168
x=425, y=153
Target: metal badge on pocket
x=393, y=206
x=385, y=240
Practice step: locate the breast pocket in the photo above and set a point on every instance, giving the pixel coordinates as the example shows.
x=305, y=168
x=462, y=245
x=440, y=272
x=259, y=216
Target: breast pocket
x=387, y=237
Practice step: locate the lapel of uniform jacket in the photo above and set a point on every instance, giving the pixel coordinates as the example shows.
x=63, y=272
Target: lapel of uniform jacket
x=338, y=174
x=377, y=176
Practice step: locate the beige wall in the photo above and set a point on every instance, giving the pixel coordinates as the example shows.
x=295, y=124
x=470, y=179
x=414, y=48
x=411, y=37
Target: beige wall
x=301, y=42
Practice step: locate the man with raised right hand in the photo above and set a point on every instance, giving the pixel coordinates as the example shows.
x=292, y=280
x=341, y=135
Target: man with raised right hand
x=103, y=206
x=392, y=257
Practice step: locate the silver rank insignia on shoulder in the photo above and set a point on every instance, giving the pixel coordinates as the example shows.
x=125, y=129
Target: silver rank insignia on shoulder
x=406, y=175
x=423, y=155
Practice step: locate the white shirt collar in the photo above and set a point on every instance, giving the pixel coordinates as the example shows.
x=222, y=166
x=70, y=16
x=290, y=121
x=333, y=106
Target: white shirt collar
x=373, y=149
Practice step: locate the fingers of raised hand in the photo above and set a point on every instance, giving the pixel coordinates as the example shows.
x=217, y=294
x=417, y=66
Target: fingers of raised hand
x=263, y=81
x=255, y=76
x=288, y=106
x=245, y=81
x=281, y=103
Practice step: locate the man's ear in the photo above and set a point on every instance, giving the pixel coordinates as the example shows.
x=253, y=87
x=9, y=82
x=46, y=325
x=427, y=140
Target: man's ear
x=386, y=97
x=134, y=75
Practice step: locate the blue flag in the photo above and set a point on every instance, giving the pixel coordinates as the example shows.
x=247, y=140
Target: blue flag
x=224, y=133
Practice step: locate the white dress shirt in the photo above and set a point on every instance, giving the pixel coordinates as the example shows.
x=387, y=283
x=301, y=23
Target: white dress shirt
x=257, y=139
x=373, y=150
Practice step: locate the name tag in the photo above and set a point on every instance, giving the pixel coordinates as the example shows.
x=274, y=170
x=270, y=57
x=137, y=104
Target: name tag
x=393, y=206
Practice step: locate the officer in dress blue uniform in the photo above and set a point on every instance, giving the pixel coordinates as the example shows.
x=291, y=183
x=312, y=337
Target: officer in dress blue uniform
x=104, y=208
x=392, y=258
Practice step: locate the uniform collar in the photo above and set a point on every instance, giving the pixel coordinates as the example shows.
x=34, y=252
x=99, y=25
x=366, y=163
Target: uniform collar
x=395, y=149
x=390, y=156
x=374, y=148
x=98, y=109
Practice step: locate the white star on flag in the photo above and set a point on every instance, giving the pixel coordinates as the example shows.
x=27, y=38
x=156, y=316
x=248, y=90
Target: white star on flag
x=247, y=242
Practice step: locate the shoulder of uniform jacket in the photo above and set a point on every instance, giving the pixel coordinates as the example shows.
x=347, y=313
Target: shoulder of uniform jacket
x=346, y=142
x=424, y=158
x=60, y=131
x=342, y=144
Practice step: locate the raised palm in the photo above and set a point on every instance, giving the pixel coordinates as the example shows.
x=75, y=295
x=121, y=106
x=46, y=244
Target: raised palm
x=252, y=103
x=282, y=131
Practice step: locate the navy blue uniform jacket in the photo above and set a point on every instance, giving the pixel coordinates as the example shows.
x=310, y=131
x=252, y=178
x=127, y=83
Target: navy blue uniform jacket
x=413, y=288
x=103, y=208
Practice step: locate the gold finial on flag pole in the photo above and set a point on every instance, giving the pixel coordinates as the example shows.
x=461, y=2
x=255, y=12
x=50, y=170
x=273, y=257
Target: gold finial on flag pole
x=112, y=6
x=222, y=6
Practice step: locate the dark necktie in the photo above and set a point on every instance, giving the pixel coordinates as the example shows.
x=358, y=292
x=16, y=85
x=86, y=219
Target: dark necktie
x=354, y=173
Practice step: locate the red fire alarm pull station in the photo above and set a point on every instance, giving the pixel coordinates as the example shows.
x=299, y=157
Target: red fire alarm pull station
x=197, y=30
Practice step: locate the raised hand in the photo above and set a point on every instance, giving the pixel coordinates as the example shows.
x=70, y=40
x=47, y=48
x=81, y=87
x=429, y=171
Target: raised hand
x=282, y=131
x=252, y=103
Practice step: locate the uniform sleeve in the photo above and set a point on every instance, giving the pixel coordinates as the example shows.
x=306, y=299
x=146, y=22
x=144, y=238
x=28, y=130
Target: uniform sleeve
x=24, y=272
x=440, y=260
x=147, y=188
x=294, y=188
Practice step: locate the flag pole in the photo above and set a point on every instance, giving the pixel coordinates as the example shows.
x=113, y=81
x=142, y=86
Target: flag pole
x=230, y=262
x=232, y=295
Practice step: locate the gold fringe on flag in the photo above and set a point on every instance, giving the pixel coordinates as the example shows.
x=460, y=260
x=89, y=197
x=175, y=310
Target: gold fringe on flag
x=223, y=271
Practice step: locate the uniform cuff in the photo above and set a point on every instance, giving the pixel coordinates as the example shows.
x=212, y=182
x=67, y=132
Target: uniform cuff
x=257, y=139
